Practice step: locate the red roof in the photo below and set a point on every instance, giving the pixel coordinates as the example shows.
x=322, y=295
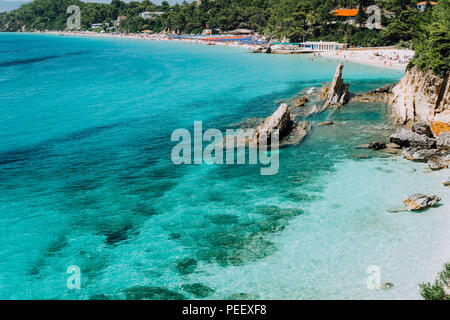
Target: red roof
x=346, y=12
x=424, y=2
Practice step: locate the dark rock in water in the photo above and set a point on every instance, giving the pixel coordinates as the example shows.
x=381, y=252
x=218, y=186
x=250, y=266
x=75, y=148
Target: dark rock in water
x=224, y=219
x=99, y=297
x=420, y=201
x=377, y=145
x=407, y=138
x=443, y=141
x=397, y=210
x=152, y=293
x=186, y=266
x=383, y=89
x=446, y=182
x=241, y=296
x=360, y=156
x=115, y=237
x=327, y=123
x=301, y=102
x=437, y=162
x=387, y=286
x=297, y=134
x=174, y=236
x=422, y=128
x=198, y=290
x=337, y=94
x=417, y=154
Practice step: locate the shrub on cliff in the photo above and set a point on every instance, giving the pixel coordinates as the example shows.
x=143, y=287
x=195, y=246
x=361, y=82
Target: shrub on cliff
x=440, y=289
x=432, y=45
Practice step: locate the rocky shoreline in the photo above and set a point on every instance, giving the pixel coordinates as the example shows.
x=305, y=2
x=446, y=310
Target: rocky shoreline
x=417, y=139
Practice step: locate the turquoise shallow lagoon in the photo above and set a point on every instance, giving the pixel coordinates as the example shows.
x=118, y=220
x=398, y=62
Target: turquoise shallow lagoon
x=86, y=179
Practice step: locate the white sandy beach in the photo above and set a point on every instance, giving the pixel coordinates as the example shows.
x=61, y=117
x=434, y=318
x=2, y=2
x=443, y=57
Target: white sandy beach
x=385, y=57
x=391, y=58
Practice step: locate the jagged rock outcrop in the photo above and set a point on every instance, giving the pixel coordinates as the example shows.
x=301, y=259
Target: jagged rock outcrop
x=420, y=201
x=417, y=154
x=422, y=128
x=443, y=141
x=421, y=97
x=377, y=95
x=437, y=162
x=407, y=138
x=337, y=94
x=280, y=120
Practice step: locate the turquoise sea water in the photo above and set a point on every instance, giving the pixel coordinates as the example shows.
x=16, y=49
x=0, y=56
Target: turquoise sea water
x=86, y=179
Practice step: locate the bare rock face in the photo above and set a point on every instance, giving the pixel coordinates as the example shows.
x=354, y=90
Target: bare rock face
x=422, y=128
x=420, y=201
x=407, y=138
x=417, y=154
x=377, y=95
x=337, y=93
x=443, y=141
x=280, y=120
x=421, y=97
x=297, y=134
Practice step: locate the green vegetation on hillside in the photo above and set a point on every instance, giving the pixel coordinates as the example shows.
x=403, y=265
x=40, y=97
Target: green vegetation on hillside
x=294, y=20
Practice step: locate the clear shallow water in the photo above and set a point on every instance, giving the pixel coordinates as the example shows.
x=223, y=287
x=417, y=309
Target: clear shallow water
x=86, y=179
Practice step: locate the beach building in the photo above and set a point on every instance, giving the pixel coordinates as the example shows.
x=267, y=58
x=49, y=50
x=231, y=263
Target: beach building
x=242, y=32
x=96, y=25
x=323, y=46
x=150, y=15
x=422, y=5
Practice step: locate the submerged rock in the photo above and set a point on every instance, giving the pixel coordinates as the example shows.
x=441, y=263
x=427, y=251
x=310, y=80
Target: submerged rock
x=302, y=101
x=362, y=146
x=297, y=134
x=337, y=94
x=446, y=182
x=152, y=293
x=417, y=154
x=186, y=266
x=437, y=162
x=327, y=123
x=393, y=146
x=387, y=286
x=407, y=138
x=377, y=145
x=198, y=290
x=420, y=201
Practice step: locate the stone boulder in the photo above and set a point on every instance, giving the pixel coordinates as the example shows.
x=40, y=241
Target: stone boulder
x=301, y=102
x=422, y=128
x=407, y=138
x=418, y=154
x=443, y=140
x=437, y=162
x=337, y=94
x=280, y=120
x=420, y=201
x=446, y=182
